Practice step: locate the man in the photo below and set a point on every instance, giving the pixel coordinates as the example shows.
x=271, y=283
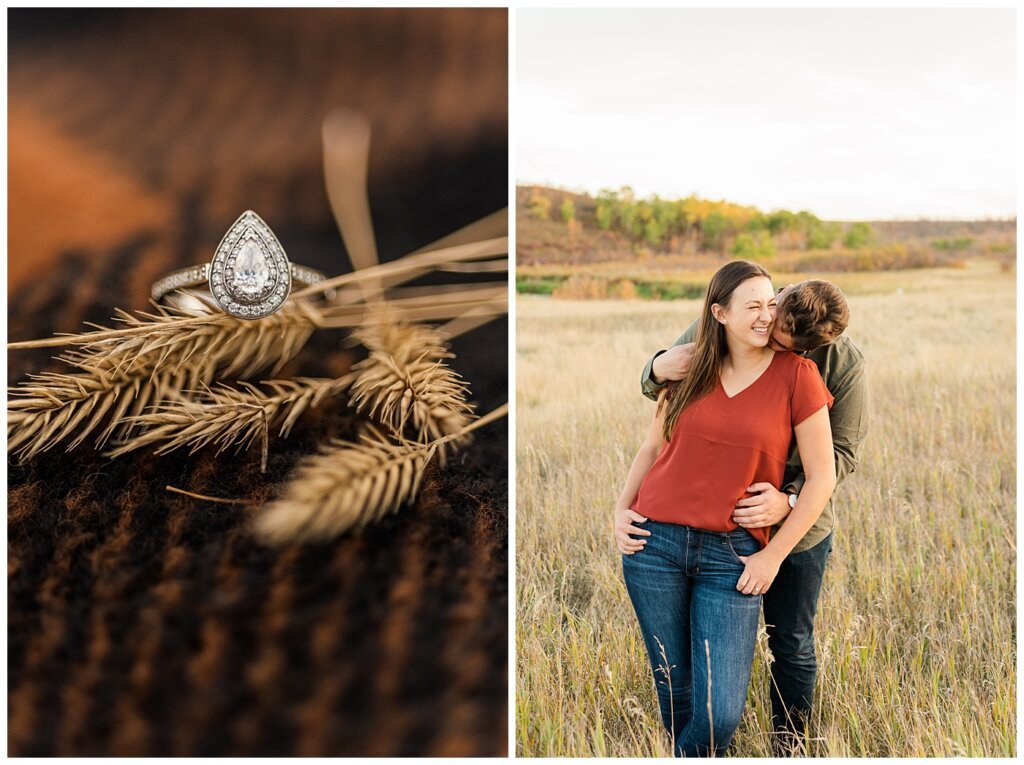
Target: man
x=810, y=319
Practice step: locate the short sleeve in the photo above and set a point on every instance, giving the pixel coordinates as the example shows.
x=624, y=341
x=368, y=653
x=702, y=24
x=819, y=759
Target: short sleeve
x=809, y=392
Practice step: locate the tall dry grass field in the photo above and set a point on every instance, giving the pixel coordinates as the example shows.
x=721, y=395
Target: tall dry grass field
x=915, y=627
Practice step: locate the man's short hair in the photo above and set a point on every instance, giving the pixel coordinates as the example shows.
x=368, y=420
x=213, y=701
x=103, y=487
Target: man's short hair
x=814, y=312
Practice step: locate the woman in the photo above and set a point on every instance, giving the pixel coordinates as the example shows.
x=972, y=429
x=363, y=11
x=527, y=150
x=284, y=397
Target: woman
x=694, y=577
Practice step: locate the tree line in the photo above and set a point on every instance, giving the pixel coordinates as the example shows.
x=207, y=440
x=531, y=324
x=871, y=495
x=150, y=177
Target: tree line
x=697, y=225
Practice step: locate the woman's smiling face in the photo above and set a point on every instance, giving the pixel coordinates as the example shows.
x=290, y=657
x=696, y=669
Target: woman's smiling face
x=750, y=313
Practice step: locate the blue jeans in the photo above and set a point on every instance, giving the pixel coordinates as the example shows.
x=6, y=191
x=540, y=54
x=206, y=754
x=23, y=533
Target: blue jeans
x=683, y=589
x=789, y=608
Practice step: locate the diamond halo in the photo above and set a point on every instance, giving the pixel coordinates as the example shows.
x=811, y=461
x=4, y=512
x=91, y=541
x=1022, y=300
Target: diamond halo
x=250, y=276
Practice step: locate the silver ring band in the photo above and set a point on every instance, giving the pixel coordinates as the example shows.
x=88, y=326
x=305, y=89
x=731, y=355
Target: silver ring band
x=196, y=276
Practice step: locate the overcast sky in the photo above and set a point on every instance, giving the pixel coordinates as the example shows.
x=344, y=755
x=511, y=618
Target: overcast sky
x=851, y=114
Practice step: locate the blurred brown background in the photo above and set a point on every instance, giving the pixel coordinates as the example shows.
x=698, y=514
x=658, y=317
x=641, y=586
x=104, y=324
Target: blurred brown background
x=140, y=623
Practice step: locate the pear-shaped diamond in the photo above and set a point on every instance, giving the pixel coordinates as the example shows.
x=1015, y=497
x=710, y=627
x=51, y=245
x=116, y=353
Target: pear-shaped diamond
x=252, y=275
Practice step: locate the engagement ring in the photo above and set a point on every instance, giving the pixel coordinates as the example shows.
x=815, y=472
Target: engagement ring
x=249, y=277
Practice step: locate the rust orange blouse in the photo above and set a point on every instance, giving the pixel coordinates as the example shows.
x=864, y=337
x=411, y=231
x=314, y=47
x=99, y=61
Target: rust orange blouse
x=721, y=445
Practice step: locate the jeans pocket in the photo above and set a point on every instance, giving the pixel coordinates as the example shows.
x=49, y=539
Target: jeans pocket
x=646, y=525
x=741, y=544
x=648, y=540
x=636, y=537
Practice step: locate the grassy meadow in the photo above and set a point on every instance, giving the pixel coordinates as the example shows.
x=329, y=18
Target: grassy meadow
x=916, y=622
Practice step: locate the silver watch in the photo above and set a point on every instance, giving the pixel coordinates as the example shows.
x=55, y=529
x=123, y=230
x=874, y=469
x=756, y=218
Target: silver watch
x=792, y=501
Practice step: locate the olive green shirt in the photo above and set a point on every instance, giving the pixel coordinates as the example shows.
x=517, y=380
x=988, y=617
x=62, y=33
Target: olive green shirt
x=842, y=368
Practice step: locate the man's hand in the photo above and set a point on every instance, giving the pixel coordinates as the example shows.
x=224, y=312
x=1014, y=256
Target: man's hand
x=624, y=519
x=767, y=507
x=673, y=364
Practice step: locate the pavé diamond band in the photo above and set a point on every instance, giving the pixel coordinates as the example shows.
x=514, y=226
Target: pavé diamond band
x=249, y=277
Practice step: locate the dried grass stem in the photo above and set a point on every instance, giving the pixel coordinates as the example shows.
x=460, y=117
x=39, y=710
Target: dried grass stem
x=349, y=485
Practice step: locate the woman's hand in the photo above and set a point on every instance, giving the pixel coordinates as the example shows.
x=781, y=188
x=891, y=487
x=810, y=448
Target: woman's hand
x=624, y=519
x=759, y=572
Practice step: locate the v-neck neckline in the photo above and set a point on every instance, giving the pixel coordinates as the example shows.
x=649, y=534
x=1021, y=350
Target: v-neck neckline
x=750, y=385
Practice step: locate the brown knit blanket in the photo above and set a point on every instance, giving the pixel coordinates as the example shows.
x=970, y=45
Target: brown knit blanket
x=145, y=623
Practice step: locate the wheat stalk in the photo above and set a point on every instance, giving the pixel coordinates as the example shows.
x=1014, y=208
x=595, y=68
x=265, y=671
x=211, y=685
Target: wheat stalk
x=118, y=377
x=53, y=408
x=50, y=408
x=226, y=416
x=405, y=383
x=351, y=484
x=158, y=338
x=424, y=394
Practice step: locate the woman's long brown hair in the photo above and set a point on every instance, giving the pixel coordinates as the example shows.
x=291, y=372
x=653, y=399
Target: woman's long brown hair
x=711, y=348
